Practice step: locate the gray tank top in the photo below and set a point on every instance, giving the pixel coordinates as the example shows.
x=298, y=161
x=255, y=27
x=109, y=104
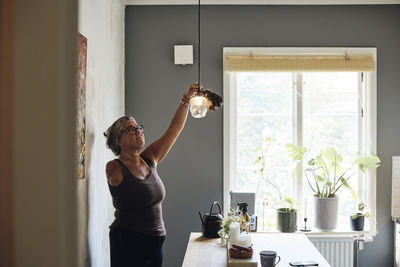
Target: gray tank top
x=138, y=202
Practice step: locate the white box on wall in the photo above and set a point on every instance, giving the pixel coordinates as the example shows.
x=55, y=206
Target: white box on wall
x=396, y=187
x=183, y=54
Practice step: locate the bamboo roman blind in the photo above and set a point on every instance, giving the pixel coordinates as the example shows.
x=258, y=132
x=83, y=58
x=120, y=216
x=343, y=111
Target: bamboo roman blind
x=301, y=63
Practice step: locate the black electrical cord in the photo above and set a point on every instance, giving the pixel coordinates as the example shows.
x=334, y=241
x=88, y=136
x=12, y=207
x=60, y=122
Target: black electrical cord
x=198, y=46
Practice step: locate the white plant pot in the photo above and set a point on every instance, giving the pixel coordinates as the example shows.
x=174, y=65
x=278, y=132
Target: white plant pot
x=326, y=212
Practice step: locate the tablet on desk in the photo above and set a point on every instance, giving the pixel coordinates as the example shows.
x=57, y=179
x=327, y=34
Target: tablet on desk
x=303, y=263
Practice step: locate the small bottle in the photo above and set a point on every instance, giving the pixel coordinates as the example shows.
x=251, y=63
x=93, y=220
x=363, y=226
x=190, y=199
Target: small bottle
x=245, y=225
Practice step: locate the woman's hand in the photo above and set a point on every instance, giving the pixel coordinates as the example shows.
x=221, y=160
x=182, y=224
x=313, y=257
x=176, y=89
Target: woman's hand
x=191, y=92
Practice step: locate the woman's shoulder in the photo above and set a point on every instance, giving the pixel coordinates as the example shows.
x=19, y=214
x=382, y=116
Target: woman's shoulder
x=112, y=165
x=114, y=172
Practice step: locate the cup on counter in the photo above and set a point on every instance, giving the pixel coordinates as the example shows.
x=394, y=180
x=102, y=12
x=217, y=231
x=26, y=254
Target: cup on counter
x=268, y=258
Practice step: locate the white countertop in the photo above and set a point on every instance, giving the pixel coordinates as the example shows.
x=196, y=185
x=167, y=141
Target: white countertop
x=209, y=252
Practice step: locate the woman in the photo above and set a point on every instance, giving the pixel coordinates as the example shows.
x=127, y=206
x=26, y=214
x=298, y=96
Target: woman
x=137, y=233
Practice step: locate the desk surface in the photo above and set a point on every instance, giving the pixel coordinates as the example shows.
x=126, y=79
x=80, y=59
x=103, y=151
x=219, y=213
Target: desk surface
x=208, y=252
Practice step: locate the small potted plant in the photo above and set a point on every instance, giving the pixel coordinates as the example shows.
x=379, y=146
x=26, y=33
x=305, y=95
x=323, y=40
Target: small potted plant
x=357, y=219
x=284, y=205
x=226, y=222
x=287, y=216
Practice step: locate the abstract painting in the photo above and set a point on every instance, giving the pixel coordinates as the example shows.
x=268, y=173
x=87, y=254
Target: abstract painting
x=82, y=59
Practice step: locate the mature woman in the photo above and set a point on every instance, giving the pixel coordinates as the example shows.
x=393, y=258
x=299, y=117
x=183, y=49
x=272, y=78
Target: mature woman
x=137, y=233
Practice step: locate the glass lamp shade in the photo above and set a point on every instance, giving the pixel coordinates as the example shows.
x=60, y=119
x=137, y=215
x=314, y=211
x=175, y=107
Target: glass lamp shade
x=198, y=106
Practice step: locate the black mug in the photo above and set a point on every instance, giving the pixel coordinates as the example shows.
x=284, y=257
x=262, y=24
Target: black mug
x=268, y=258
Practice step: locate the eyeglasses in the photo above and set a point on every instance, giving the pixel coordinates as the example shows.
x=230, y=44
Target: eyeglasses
x=134, y=130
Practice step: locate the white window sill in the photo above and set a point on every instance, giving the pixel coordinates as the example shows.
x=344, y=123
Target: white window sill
x=340, y=232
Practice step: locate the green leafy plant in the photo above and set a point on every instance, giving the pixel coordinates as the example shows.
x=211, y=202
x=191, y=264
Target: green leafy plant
x=288, y=204
x=325, y=169
x=233, y=216
x=285, y=203
x=361, y=207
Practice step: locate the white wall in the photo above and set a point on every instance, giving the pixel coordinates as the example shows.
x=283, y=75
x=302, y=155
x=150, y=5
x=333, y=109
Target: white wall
x=102, y=23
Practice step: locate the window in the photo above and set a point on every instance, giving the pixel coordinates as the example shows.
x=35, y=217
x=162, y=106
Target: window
x=268, y=105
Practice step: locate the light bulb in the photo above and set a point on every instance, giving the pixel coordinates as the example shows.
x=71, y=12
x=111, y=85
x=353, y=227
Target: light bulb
x=198, y=106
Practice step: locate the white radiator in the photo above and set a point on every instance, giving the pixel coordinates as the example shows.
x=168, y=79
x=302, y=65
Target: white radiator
x=338, y=251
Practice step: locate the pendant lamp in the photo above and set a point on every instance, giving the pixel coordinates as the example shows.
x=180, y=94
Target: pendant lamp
x=198, y=104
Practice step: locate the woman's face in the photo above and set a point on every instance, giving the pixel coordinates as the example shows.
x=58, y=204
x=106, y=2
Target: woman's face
x=131, y=137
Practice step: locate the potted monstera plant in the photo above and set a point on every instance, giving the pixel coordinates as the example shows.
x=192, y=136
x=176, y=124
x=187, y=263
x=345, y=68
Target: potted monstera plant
x=284, y=205
x=326, y=178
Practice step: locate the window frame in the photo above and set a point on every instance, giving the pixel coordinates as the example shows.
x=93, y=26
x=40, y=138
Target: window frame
x=368, y=124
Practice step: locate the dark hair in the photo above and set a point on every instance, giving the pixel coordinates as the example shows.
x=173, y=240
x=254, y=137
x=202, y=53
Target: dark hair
x=113, y=132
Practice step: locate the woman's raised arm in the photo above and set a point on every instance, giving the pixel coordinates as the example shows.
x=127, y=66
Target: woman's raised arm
x=157, y=150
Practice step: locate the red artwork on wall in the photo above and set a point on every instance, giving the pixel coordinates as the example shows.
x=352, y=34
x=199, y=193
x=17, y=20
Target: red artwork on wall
x=82, y=60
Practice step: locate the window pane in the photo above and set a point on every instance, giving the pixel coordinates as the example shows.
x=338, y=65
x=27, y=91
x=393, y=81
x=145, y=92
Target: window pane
x=264, y=93
x=253, y=130
x=337, y=132
x=330, y=119
x=327, y=93
x=267, y=197
x=264, y=109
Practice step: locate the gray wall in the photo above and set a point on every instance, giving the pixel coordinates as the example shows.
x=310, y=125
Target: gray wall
x=154, y=85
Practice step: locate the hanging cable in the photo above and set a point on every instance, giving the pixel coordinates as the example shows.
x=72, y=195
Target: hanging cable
x=198, y=46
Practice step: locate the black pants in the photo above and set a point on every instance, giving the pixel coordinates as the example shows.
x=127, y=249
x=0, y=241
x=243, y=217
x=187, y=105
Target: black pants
x=132, y=249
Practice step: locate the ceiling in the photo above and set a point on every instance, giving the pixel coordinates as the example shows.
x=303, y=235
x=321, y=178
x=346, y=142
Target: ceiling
x=262, y=2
